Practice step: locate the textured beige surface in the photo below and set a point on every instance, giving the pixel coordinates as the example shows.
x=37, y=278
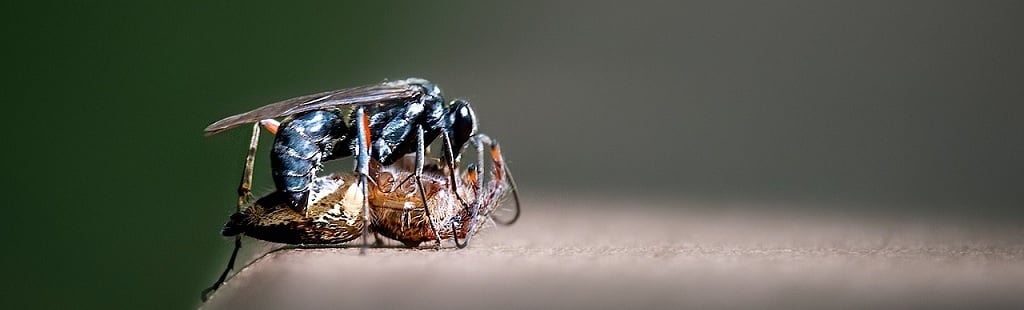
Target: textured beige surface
x=615, y=255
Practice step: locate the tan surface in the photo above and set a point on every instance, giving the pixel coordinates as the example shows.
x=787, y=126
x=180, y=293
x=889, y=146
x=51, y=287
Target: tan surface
x=610, y=255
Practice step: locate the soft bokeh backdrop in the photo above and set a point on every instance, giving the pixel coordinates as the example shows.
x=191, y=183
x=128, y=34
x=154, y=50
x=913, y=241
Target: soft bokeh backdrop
x=115, y=198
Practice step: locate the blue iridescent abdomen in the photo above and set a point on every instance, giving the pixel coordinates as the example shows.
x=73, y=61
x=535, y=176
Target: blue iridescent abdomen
x=300, y=146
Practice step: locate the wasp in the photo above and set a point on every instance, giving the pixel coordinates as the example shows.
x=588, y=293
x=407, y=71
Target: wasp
x=381, y=122
x=335, y=209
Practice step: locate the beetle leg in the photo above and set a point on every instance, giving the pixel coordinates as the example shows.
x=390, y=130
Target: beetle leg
x=363, y=169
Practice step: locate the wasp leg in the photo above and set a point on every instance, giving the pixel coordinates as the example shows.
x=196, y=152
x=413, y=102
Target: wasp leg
x=478, y=142
x=450, y=161
x=472, y=174
x=501, y=172
x=244, y=195
x=418, y=174
x=515, y=197
x=449, y=158
x=245, y=186
x=363, y=169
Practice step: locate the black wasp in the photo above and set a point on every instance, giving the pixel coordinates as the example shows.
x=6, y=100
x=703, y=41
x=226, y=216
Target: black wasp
x=381, y=122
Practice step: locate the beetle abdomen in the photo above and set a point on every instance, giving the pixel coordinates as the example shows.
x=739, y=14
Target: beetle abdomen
x=332, y=217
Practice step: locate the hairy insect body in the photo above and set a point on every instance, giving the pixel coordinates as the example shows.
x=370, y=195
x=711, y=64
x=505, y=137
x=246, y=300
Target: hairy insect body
x=397, y=211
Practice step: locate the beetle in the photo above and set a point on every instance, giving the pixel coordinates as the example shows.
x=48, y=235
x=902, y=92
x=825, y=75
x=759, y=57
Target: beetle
x=382, y=122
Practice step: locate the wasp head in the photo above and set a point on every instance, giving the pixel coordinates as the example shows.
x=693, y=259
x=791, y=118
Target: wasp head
x=461, y=125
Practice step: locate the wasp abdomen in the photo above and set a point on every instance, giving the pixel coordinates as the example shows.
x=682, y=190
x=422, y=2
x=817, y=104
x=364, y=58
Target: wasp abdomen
x=301, y=144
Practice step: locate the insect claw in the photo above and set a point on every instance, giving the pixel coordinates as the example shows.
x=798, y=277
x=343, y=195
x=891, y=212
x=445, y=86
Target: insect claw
x=205, y=295
x=455, y=236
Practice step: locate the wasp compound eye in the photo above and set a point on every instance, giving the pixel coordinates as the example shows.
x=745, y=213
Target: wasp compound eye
x=463, y=124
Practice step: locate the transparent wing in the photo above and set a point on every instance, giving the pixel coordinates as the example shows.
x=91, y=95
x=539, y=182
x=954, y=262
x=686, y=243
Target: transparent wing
x=403, y=89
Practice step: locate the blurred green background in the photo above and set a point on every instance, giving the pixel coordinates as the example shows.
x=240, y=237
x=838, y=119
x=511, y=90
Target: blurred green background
x=117, y=198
